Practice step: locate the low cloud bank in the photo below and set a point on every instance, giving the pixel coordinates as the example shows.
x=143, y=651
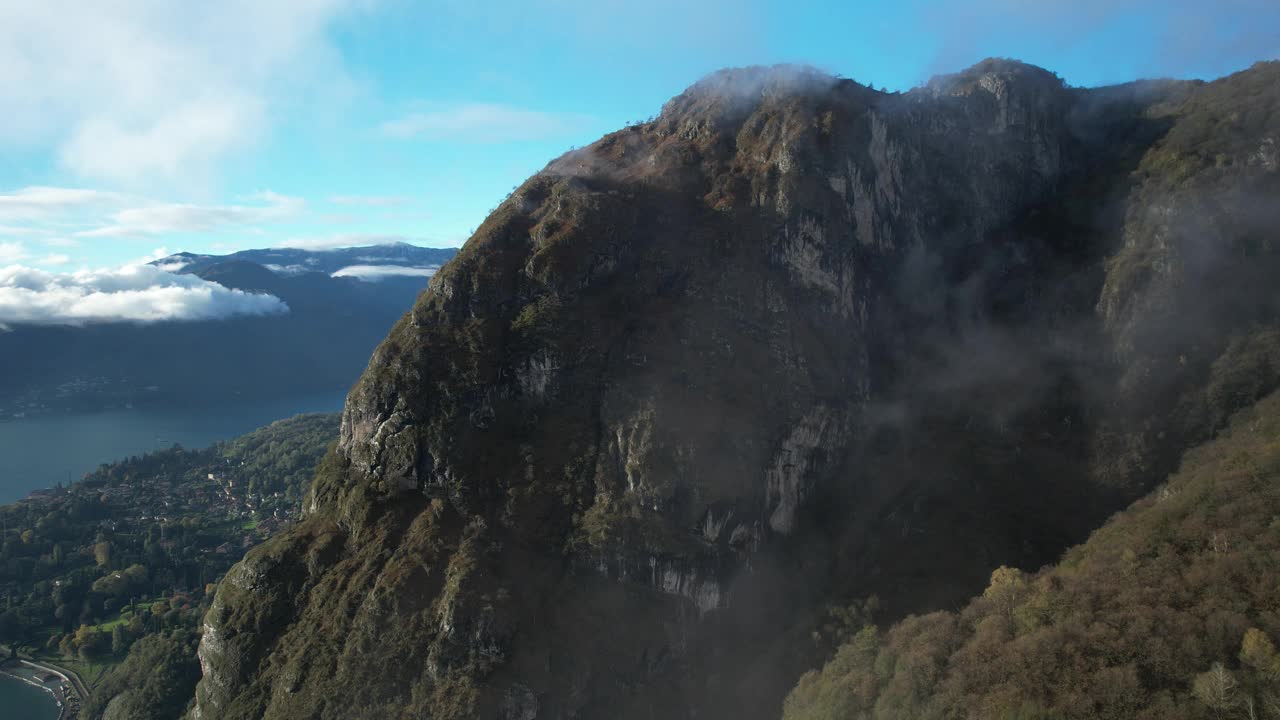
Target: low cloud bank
x=373, y=273
x=288, y=270
x=135, y=293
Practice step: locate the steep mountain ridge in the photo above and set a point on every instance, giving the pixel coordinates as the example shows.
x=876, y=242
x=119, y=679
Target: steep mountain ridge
x=793, y=342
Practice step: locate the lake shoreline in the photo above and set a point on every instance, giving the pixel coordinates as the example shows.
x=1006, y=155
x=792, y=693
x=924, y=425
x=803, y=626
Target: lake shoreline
x=7, y=671
x=70, y=692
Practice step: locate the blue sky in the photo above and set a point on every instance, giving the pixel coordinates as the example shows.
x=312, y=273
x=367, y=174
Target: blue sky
x=167, y=125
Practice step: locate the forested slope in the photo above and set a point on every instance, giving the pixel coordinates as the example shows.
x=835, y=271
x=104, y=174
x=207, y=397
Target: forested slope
x=1170, y=611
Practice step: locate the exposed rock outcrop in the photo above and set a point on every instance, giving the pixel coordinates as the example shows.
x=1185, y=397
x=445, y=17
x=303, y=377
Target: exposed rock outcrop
x=793, y=342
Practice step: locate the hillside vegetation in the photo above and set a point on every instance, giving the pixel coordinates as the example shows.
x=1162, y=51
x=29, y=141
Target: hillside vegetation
x=117, y=570
x=1170, y=611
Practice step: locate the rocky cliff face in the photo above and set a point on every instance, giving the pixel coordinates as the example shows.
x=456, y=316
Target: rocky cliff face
x=791, y=343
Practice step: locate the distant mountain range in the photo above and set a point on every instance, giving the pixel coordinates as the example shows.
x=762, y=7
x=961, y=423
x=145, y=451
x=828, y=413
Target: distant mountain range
x=341, y=303
x=291, y=261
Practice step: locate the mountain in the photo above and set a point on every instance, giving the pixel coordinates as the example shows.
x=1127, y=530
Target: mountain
x=791, y=345
x=1168, y=611
x=320, y=345
x=291, y=261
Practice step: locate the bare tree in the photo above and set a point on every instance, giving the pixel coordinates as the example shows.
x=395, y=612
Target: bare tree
x=1216, y=688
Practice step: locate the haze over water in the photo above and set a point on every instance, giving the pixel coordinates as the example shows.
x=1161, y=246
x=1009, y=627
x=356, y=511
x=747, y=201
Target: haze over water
x=40, y=452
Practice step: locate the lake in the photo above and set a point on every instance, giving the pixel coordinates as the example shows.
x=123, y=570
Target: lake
x=24, y=702
x=42, y=451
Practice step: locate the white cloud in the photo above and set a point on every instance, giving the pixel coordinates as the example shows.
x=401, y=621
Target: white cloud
x=372, y=200
x=159, y=253
x=42, y=203
x=288, y=270
x=59, y=215
x=145, y=91
x=373, y=273
x=191, y=136
x=137, y=293
x=341, y=240
x=184, y=218
x=12, y=252
x=484, y=123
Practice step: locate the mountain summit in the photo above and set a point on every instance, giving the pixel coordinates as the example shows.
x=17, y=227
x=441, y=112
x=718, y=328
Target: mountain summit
x=792, y=344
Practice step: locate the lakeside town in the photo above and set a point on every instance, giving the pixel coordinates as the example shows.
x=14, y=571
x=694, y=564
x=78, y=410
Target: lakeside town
x=104, y=580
